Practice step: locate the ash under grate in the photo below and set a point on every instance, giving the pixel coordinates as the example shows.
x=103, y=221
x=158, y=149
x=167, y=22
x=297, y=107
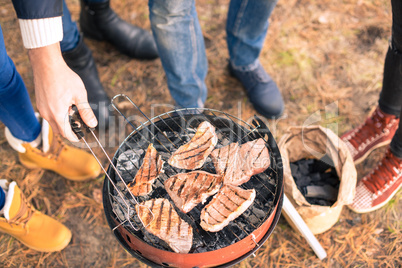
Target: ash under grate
x=167, y=136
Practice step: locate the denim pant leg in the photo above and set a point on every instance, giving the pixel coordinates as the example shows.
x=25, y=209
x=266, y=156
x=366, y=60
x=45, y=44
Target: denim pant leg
x=2, y=198
x=71, y=35
x=246, y=28
x=181, y=48
x=16, y=110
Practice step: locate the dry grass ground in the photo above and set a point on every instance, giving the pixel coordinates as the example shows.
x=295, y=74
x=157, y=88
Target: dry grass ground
x=320, y=53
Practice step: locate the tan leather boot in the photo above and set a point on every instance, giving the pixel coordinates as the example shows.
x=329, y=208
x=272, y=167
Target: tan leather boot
x=31, y=227
x=70, y=162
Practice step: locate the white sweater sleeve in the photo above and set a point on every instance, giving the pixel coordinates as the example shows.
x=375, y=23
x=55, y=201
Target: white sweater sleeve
x=41, y=32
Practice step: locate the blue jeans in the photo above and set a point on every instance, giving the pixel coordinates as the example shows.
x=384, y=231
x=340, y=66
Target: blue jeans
x=180, y=43
x=71, y=35
x=2, y=198
x=16, y=110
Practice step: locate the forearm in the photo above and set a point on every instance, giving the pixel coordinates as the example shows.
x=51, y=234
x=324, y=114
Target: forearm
x=45, y=60
x=57, y=88
x=49, y=70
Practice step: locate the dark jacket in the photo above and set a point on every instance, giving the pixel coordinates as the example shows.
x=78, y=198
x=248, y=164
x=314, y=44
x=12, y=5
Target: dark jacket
x=38, y=9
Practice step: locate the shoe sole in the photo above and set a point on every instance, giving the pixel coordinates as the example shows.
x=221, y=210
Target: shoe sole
x=379, y=205
x=272, y=117
x=31, y=165
x=363, y=157
x=58, y=248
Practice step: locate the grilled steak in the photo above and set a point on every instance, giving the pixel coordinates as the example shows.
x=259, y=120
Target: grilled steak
x=227, y=205
x=226, y=157
x=148, y=172
x=189, y=189
x=193, y=154
x=227, y=162
x=166, y=224
x=256, y=155
x=238, y=163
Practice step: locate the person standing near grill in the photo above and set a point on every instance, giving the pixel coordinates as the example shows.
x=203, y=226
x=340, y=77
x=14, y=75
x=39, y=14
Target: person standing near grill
x=98, y=21
x=383, y=127
x=57, y=87
x=181, y=48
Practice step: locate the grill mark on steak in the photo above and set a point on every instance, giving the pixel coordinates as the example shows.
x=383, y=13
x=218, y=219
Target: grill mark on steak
x=237, y=163
x=159, y=219
x=178, y=228
x=211, y=184
x=227, y=162
x=227, y=205
x=149, y=169
x=193, y=154
x=147, y=174
x=172, y=185
x=227, y=208
x=257, y=146
x=230, y=200
x=222, y=216
x=195, y=181
x=181, y=188
x=211, y=217
x=204, y=144
x=169, y=222
x=166, y=224
x=187, y=190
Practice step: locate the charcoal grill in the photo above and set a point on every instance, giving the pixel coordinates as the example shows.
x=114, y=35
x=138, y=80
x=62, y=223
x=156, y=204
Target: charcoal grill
x=167, y=132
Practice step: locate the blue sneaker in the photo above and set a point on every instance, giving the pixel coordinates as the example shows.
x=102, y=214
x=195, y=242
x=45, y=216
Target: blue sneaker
x=262, y=91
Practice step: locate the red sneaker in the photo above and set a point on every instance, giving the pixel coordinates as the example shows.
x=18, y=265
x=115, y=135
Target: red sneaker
x=378, y=187
x=377, y=131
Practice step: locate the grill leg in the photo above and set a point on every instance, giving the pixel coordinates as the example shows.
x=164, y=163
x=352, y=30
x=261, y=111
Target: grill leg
x=293, y=217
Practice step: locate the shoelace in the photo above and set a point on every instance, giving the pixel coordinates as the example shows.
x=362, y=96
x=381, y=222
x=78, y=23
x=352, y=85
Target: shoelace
x=372, y=127
x=24, y=208
x=56, y=147
x=60, y=146
x=383, y=172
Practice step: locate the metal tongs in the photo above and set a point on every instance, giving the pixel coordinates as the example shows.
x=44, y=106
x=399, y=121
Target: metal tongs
x=79, y=127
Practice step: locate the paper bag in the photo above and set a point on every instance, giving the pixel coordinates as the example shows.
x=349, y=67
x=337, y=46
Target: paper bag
x=316, y=142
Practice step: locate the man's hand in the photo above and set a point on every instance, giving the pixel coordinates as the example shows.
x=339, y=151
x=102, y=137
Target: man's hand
x=57, y=87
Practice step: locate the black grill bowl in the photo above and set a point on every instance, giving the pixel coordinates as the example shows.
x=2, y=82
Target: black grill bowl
x=229, y=254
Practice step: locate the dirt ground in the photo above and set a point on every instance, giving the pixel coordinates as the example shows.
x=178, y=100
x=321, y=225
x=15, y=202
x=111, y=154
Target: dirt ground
x=322, y=54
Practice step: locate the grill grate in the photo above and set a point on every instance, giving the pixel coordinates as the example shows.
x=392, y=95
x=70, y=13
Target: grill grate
x=169, y=131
